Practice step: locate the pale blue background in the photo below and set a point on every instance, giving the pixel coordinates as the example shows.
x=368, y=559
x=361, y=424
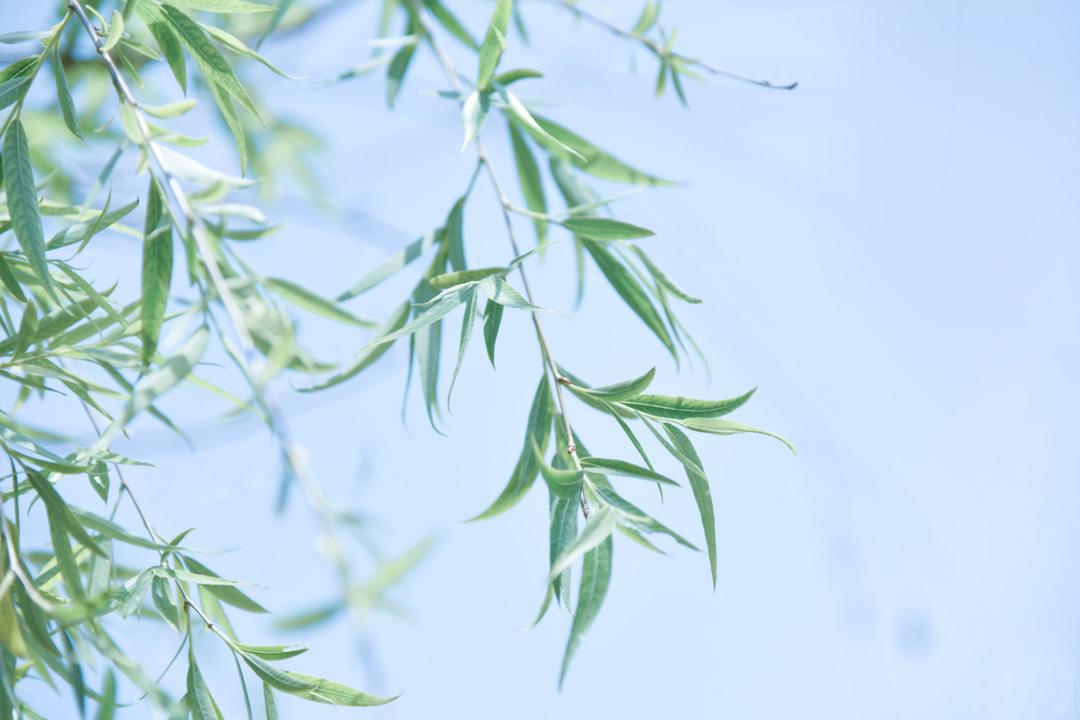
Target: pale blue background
x=888, y=252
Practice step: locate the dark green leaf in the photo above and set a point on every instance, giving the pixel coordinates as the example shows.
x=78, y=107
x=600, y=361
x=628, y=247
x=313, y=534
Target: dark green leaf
x=604, y=229
x=621, y=467
x=157, y=266
x=493, y=313
x=23, y=203
x=700, y=486
x=532, y=185
x=63, y=94
x=595, y=579
x=494, y=43
x=680, y=408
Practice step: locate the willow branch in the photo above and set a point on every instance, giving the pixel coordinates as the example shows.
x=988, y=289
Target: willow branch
x=660, y=51
x=506, y=207
x=190, y=223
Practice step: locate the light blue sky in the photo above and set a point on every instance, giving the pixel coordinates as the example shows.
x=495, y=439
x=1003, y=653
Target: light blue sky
x=888, y=253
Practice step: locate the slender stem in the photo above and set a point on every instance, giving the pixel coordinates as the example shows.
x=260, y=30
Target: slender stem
x=506, y=207
x=661, y=51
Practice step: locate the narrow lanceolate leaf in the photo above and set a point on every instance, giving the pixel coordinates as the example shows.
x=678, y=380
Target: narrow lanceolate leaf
x=649, y=15
x=493, y=313
x=563, y=530
x=720, y=426
x=453, y=26
x=630, y=513
x=22, y=201
x=500, y=291
x=661, y=277
x=450, y=279
x=494, y=43
x=453, y=235
x=315, y=304
x=618, y=391
x=390, y=266
x=474, y=112
x=395, y=72
x=213, y=64
x=224, y=6
x=604, y=229
x=589, y=158
x=562, y=482
x=200, y=703
x=311, y=688
x=228, y=594
x=428, y=314
x=63, y=94
x=631, y=291
x=153, y=384
x=532, y=184
x=116, y=31
x=170, y=47
x=700, y=486
x=157, y=266
x=537, y=433
x=522, y=114
x=270, y=703
x=680, y=408
x=595, y=579
x=60, y=510
x=597, y=529
x=467, y=321
x=368, y=355
x=621, y=467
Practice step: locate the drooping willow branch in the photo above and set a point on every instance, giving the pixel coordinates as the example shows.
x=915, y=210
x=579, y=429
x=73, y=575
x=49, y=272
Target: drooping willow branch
x=505, y=206
x=659, y=50
x=190, y=222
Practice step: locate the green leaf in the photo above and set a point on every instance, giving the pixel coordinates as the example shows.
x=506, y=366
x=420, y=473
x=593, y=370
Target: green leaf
x=211, y=62
x=493, y=313
x=562, y=482
x=268, y=700
x=537, y=432
x=598, y=528
x=395, y=72
x=662, y=279
x=228, y=594
x=474, y=112
x=272, y=652
x=63, y=94
x=589, y=158
x=604, y=229
x=59, y=509
x=12, y=285
x=239, y=47
x=223, y=6
x=153, y=384
x=107, y=704
x=169, y=44
x=649, y=15
x=512, y=76
x=466, y=334
x=680, y=408
x=315, y=304
x=621, y=467
x=500, y=291
x=619, y=391
x=23, y=203
x=595, y=579
x=522, y=114
x=532, y=185
x=450, y=279
x=700, y=486
x=391, y=266
x=563, y=530
x=157, y=266
x=311, y=688
x=631, y=291
x=632, y=514
x=494, y=43
x=169, y=110
x=116, y=31
x=720, y=426
x=200, y=703
x=431, y=313
x=368, y=355
x=452, y=25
